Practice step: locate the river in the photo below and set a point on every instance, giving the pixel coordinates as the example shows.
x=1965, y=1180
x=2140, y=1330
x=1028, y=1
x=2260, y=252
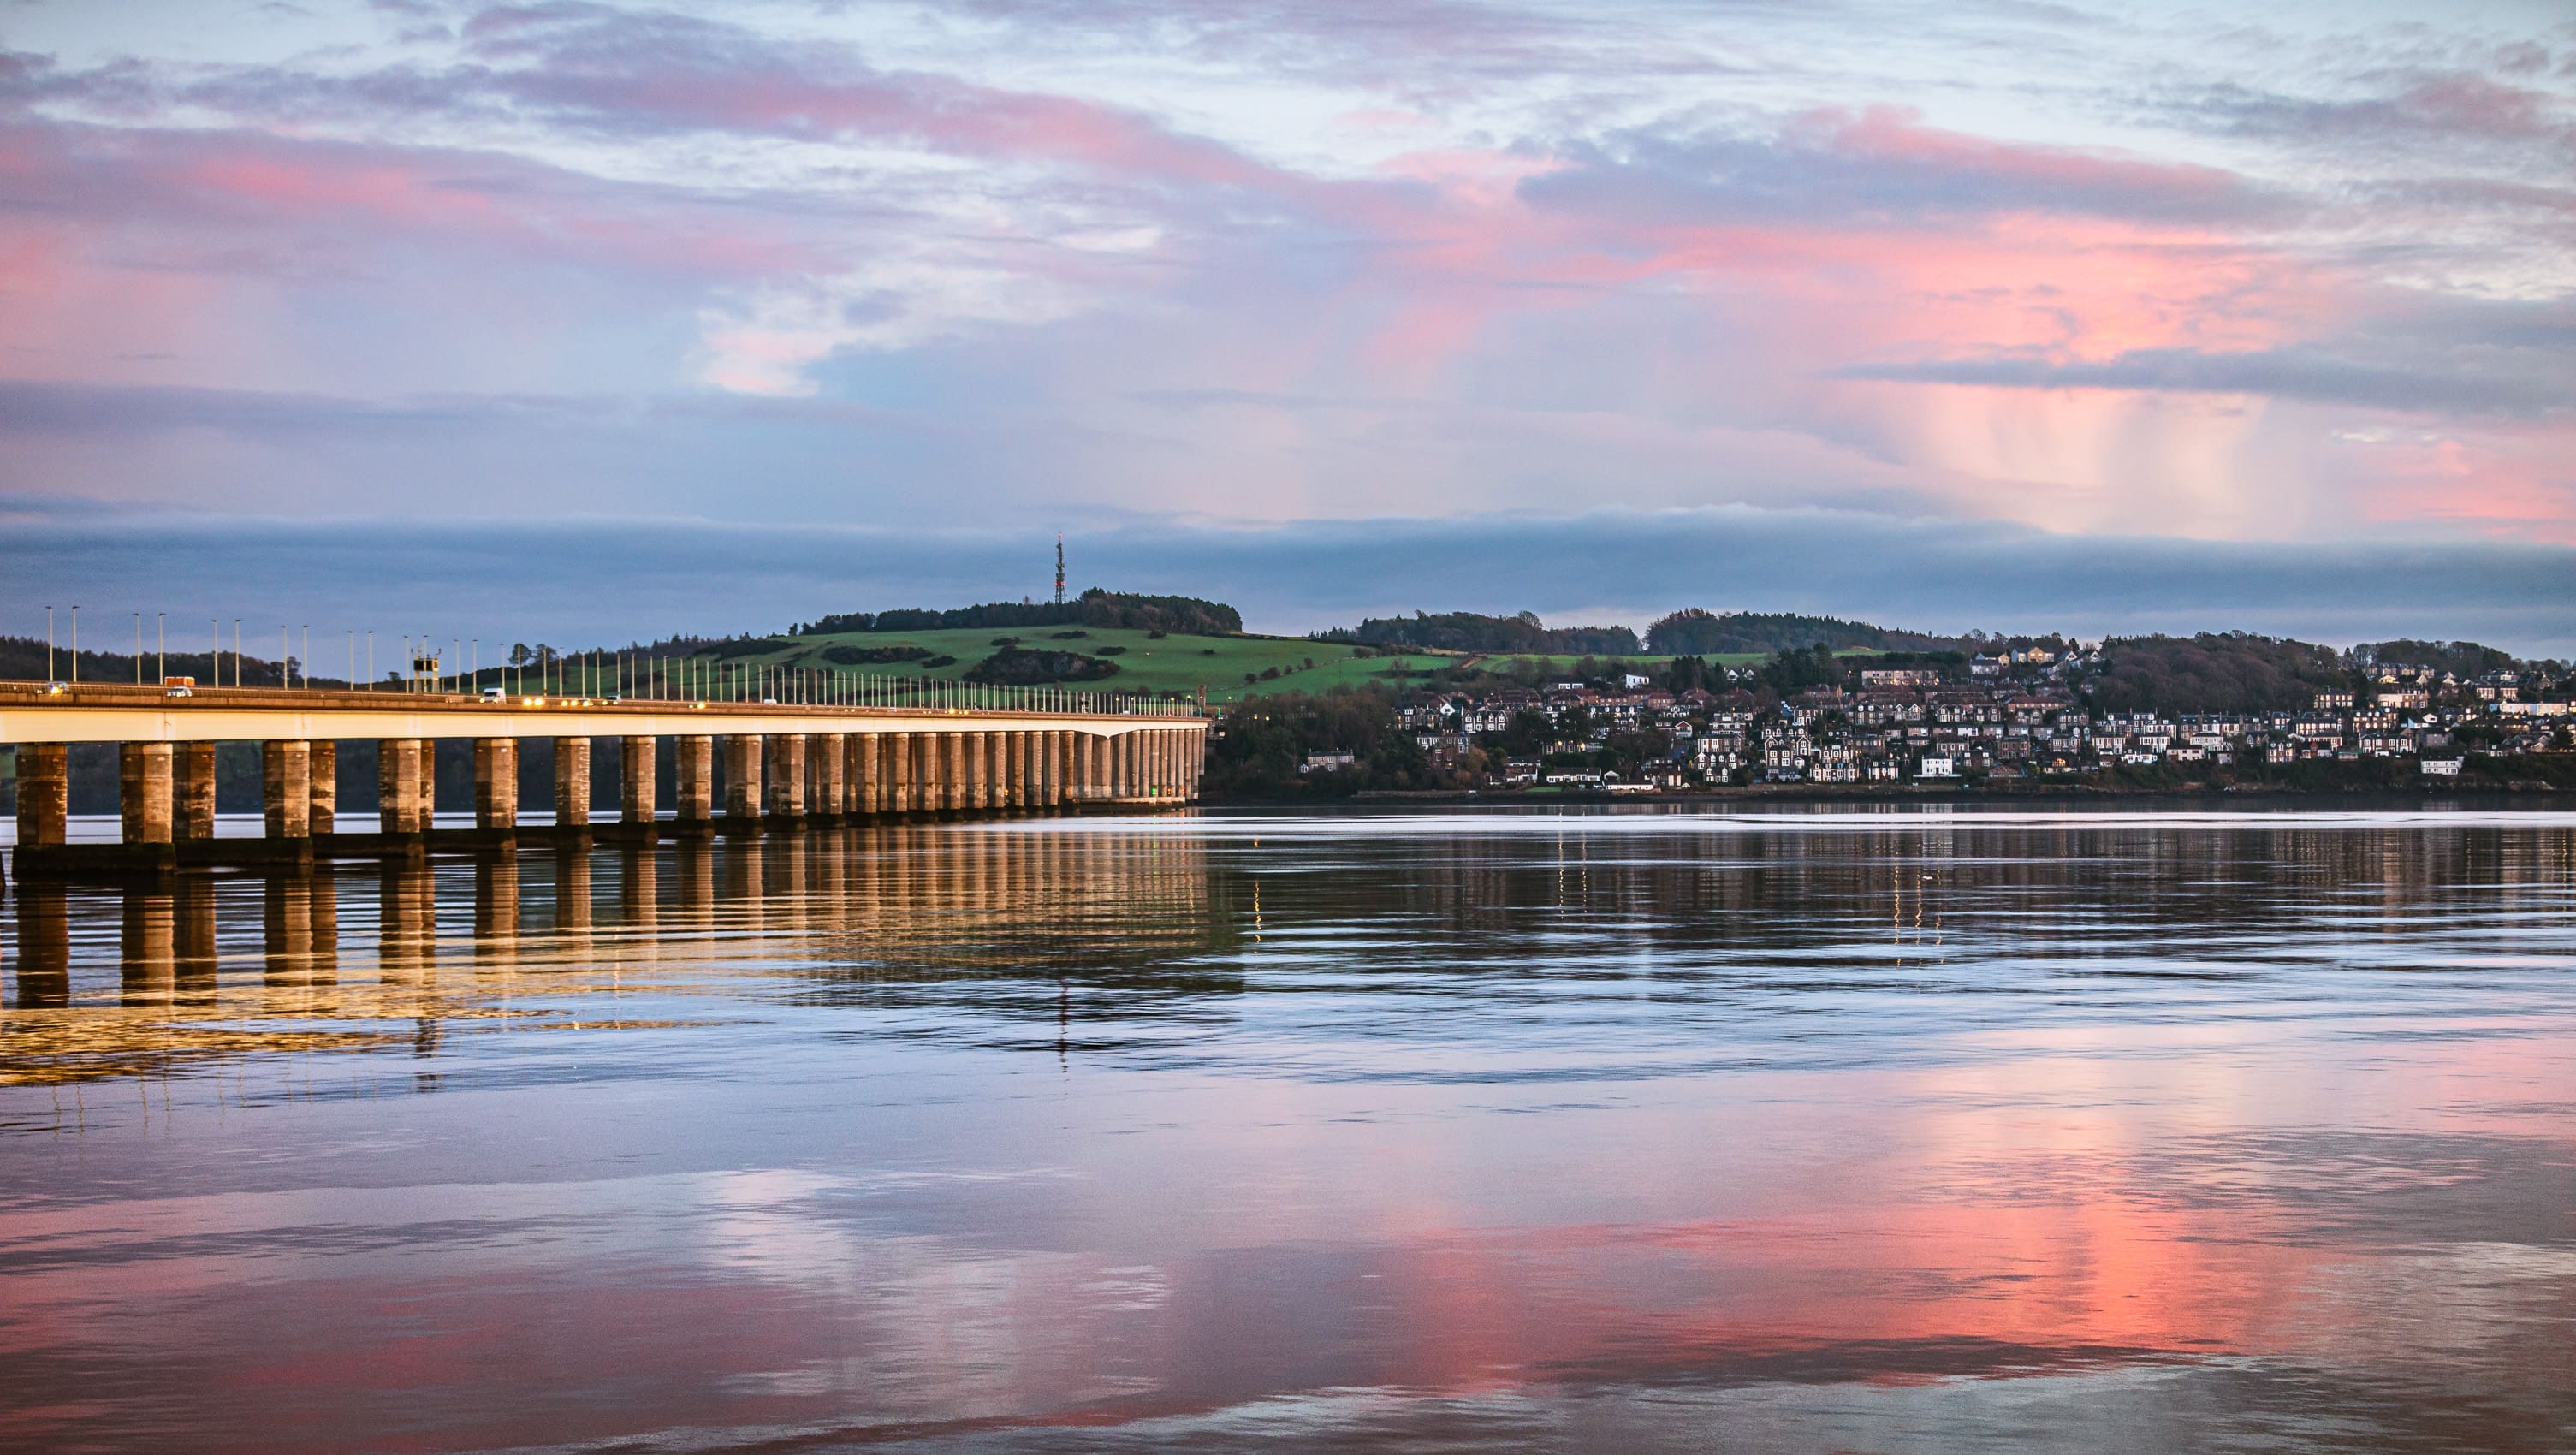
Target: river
x=1625, y=1130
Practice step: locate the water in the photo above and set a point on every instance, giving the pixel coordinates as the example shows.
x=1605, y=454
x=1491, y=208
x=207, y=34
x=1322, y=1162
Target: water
x=1616, y=1131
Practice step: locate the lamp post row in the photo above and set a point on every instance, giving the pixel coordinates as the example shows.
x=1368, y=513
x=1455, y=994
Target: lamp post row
x=708, y=681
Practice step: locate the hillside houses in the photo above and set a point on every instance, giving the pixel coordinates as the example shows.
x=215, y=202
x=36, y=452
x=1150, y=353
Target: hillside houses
x=2027, y=717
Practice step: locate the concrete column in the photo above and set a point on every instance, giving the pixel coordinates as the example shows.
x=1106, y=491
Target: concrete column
x=979, y=770
x=951, y=790
x=894, y=759
x=1051, y=747
x=742, y=775
x=399, y=792
x=1016, y=743
x=1077, y=765
x=786, y=775
x=827, y=768
x=143, y=791
x=424, y=784
x=286, y=788
x=496, y=783
x=859, y=788
x=695, y=790
x=572, y=782
x=322, y=786
x=637, y=758
x=193, y=790
x=1195, y=760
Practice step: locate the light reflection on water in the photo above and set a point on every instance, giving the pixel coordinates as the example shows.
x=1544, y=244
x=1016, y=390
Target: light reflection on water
x=1596, y=1131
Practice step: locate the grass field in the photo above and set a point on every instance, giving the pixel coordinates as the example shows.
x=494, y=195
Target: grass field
x=1148, y=664
x=1164, y=664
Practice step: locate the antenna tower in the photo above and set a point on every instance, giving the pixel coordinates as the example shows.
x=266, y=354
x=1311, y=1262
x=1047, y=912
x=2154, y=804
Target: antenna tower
x=1059, y=568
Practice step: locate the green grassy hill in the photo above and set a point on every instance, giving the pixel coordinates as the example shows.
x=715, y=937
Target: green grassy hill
x=1147, y=663
x=1156, y=665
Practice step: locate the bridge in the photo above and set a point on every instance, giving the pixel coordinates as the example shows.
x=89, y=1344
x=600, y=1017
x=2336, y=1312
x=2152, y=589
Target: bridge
x=783, y=765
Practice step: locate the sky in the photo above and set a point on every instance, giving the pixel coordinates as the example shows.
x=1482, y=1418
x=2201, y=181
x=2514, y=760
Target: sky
x=595, y=321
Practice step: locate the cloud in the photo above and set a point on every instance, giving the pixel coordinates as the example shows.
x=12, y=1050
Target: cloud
x=1881, y=166
x=2295, y=373
x=2438, y=109
x=1091, y=262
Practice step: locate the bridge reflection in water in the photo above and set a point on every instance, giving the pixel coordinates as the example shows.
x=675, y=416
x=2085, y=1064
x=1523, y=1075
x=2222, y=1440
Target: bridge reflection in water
x=212, y=964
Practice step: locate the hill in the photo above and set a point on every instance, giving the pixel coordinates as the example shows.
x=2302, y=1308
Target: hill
x=1697, y=632
x=1467, y=631
x=2213, y=672
x=1093, y=608
x=1108, y=659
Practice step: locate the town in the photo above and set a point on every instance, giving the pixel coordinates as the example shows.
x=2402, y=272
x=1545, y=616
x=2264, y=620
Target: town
x=2016, y=715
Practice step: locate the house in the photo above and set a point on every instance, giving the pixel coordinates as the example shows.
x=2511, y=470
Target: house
x=1328, y=763
x=2440, y=767
x=1937, y=767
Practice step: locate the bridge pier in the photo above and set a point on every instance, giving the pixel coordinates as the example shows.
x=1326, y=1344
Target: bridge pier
x=402, y=786
x=864, y=776
x=496, y=785
x=321, y=786
x=786, y=774
x=143, y=792
x=638, y=758
x=193, y=791
x=285, y=788
x=572, y=783
x=897, y=753
x=742, y=780
x=694, y=804
x=826, y=768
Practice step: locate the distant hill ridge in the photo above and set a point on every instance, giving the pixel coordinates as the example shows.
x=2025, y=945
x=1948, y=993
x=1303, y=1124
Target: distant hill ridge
x=1093, y=608
x=1697, y=632
x=1467, y=631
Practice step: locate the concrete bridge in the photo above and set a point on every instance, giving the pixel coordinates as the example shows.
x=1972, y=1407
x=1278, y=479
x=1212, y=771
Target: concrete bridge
x=788, y=764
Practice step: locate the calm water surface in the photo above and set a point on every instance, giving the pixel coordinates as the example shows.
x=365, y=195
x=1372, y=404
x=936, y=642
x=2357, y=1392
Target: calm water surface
x=1823, y=1131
